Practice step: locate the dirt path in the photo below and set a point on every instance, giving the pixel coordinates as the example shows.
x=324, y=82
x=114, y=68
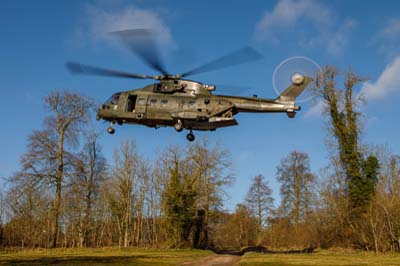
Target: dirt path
x=214, y=260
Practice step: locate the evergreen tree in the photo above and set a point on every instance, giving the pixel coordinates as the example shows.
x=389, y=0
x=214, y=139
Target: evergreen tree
x=180, y=209
x=362, y=189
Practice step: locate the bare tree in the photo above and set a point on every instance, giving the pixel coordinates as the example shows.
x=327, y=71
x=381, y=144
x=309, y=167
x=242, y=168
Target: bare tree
x=2, y=216
x=47, y=161
x=29, y=217
x=259, y=199
x=88, y=176
x=297, y=185
x=209, y=168
x=128, y=185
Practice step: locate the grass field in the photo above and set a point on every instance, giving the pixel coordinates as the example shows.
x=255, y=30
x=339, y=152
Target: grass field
x=323, y=258
x=145, y=257
x=100, y=256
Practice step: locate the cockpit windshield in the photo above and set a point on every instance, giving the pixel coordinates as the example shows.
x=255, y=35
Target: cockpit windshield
x=114, y=99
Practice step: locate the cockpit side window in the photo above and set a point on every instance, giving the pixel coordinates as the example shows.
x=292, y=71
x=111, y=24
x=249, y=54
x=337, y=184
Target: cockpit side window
x=114, y=99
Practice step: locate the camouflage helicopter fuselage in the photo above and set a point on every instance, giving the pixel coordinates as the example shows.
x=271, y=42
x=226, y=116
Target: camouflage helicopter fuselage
x=191, y=105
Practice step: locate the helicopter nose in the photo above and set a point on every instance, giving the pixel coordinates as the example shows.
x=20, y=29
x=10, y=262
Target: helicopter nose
x=99, y=114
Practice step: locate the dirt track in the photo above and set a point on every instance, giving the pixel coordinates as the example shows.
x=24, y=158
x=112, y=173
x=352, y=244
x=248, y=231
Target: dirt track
x=215, y=260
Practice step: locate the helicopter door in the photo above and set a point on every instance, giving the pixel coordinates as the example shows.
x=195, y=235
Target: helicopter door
x=141, y=106
x=131, y=104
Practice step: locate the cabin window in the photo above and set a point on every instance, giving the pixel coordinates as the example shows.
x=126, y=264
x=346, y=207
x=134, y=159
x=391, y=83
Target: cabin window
x=192, y=104
x=141, y=101
x=164, y=103
x=153, y=102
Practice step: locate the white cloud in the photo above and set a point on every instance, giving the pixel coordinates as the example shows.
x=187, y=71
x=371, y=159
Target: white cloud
x=388, y=82
x=98, y=23
x=310, y=22
x=337, y=41
x=392, y=29
x=289, y=12
x=388, y=38
x=316, y=110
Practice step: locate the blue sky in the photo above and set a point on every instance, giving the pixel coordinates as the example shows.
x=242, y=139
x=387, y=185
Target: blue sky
x=38, y=37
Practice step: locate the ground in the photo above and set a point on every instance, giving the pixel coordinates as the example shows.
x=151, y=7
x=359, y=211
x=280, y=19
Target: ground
x=214, y=260
x=144, y=257
x=101, y=256
x=321, y=258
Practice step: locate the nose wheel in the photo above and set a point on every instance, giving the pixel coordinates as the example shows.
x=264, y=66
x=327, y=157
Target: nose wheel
x=190, y=137
x=178, y=126
x=111, y=129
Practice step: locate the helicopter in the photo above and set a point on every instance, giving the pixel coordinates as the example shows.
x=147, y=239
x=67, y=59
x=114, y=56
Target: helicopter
x=181, y=103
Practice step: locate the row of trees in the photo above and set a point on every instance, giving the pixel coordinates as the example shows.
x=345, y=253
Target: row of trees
x=67, y=194
x=353, y=202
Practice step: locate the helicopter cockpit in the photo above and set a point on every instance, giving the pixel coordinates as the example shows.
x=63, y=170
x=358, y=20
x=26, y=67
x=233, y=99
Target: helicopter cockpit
x=112, y=102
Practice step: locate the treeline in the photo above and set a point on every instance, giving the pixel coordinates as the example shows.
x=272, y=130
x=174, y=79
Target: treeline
x=128, y=203
x=354, y=202
x=317, y=210
x=67, y=195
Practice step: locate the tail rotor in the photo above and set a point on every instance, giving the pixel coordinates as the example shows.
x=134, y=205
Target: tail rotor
x=294, y=72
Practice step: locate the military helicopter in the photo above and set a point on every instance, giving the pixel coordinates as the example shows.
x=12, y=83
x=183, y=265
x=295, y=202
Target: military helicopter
x=181, y=103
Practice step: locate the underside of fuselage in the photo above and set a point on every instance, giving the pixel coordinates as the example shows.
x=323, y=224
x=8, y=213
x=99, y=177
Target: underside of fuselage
x=203, y=124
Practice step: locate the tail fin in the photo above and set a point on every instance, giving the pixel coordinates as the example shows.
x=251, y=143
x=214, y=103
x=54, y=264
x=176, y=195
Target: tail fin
x=294, y=90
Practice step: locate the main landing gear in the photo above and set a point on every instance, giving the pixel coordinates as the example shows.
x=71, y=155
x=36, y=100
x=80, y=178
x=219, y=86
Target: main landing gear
x=291, y=114
x=179, y=127
x=190, y=137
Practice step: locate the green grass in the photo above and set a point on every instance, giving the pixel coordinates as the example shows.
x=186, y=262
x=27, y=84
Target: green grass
x=145, y=257
x=100, y=256
x=323, y=258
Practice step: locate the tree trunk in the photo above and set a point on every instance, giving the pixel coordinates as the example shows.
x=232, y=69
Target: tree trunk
x=60, y=173
x=57, y=204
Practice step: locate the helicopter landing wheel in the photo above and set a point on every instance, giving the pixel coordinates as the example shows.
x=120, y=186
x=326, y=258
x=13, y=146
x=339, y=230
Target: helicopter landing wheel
x=178, y=126
x=291, y=114
x=111, y=130
x=190, y=137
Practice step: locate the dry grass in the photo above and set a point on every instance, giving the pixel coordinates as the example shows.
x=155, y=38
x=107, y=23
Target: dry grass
x=100, y=256
x=321, y=258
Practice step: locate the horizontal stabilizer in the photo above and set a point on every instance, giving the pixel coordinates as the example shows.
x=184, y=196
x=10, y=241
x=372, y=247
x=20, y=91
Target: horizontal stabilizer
x=294, y=90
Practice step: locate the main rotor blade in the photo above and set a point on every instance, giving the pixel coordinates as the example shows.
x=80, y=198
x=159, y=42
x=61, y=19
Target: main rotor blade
x=77, y=68
x=142, y=43
x=241, y=56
